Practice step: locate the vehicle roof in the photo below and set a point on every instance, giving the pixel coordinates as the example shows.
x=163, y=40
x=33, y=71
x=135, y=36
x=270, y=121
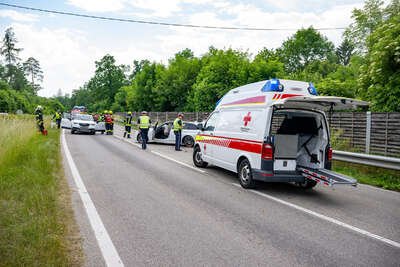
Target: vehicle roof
x=253, y=95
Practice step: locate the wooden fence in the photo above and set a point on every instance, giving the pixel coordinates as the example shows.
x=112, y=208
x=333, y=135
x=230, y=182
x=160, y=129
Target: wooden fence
x=365, y=132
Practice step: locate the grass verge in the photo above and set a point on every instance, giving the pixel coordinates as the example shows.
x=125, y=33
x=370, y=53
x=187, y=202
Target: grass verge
x=387, y=179
x=37, y=226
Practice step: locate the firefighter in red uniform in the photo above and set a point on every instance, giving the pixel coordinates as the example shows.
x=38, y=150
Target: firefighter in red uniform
x=109, y=122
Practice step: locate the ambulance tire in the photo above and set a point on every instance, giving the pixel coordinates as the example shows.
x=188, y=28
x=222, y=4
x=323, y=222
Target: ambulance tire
x=245, y=175
x=307, y=184
x=197, y=160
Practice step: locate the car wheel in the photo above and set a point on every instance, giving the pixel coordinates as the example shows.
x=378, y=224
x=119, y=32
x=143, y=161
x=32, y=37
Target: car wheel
x=197, y=158
x=72, y=131
x=245, y=175
x=188, y=141
x=93, y=133
x=307, y=184
x=139, y=138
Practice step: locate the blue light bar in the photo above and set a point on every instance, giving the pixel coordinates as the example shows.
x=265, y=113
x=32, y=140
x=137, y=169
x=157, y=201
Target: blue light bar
x=272, y=85
x=311, y=89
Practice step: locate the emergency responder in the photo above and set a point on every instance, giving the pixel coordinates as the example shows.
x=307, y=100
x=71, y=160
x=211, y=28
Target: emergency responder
x=178, y=125
x=108, y=121
x=57, y=118
x=112, y=123
x=144, y=123
x=39, y=118
x=128, y=124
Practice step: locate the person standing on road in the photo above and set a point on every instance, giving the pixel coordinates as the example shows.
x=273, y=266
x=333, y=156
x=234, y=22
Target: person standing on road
x=57, y=118
x=178, y=125
x=112, y=123
x=128, y=124
x=144, y=123
x=108, y=121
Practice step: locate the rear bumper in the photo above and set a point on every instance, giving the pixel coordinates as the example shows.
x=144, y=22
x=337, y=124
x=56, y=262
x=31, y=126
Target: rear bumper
x=281, y=177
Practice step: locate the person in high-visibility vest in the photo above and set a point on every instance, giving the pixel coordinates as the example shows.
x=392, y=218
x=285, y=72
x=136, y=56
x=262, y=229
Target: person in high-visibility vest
x=57, y=118
x=128, y=124
x=39, y=118
x=178, y=125
x=144, y=123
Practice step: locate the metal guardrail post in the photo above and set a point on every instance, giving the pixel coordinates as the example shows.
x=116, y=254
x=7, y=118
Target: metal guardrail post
x=368, y=133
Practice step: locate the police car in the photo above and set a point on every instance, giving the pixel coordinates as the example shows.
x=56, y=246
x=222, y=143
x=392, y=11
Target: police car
x=164, y=133
x=273, y=131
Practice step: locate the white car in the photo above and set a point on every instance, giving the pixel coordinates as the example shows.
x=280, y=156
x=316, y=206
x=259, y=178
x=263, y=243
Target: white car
x=164, y=133
x=83, y=123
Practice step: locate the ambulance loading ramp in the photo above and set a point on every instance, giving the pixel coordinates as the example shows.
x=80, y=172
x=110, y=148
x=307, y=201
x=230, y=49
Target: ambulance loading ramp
x=327, y=177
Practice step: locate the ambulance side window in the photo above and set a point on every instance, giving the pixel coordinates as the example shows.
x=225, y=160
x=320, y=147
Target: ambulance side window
x=211, y=122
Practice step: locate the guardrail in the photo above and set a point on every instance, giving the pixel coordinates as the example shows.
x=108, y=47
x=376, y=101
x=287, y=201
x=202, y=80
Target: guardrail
x=366, y=159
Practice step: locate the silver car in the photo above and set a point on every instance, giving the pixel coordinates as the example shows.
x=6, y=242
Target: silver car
x=83, y=123
x=165, y=134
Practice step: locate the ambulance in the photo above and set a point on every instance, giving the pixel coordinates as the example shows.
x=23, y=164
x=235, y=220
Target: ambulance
x=273, y=131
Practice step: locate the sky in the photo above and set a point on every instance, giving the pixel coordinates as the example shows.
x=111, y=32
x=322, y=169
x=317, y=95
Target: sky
x=67, y=47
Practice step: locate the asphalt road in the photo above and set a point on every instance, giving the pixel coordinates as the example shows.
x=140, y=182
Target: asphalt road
x=159, y=212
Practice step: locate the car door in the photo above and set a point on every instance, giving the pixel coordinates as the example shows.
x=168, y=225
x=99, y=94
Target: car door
x=207, y=139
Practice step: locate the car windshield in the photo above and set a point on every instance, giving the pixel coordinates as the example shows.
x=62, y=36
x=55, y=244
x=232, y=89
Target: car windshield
x=83, y=117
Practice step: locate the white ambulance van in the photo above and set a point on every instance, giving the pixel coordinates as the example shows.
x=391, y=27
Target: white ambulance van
x=273, y=131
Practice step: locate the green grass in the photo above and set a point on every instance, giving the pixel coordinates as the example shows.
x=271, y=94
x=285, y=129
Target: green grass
x=388, y=179
x=36, y=220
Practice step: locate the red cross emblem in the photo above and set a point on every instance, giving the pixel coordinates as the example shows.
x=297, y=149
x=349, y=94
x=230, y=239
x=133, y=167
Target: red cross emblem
x=247, y=119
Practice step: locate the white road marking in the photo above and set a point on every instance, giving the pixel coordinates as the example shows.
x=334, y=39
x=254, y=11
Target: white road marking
x=162, y=155
x=326, y=218
x=174, y=160
x=107, y=247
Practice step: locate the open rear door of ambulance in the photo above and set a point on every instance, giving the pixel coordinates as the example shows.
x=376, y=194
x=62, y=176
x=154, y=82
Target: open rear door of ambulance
x=324, y=103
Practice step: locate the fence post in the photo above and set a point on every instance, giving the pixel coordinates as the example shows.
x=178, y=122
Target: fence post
x=368, y=133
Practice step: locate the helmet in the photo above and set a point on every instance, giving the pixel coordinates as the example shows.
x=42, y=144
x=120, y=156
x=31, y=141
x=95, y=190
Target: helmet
x=180, y=114
x=129, y=112
x=110, y=112
x=39, y=107
x=105, y=111
x=144, y=112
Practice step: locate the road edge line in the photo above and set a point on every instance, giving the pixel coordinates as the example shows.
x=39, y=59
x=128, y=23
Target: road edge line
x=326, y=218
x=108, y=250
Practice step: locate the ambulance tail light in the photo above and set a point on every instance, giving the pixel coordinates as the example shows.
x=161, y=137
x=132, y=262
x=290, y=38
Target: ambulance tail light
x=330, y=152
x=267, y=152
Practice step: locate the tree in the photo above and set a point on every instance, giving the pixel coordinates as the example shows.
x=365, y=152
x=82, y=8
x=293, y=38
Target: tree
x=380, y=75
x=266, y=65
x=305, y=46
x=344, y=52
x=107, y=80
x=8, y=49
x=365, y=22
x=32, y=69
x=221, y=71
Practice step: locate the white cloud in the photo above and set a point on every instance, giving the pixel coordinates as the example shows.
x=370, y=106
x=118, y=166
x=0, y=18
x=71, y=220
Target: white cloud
x=18, y=16
x=66, y=57
x=98, y=5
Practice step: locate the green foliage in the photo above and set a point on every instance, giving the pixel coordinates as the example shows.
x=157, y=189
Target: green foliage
x=365, y=22
x=305, y=46
x=380, y=75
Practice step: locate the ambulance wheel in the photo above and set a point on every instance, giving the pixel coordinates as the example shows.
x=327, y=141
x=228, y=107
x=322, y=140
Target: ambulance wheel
x=139, y=138
x=188, y=141
x=307, y=184
x=245, y=175
x=197, y=159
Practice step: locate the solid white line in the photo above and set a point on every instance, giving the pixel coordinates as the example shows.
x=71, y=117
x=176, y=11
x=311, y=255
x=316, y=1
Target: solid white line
x=174, y=160
x=107, y=247
x=326, y=218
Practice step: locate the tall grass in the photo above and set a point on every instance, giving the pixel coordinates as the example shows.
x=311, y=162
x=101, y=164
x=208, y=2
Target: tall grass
x=35, y=215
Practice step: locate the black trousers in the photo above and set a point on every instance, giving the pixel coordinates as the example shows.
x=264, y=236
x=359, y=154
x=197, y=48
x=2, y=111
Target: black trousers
x=144, y=133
